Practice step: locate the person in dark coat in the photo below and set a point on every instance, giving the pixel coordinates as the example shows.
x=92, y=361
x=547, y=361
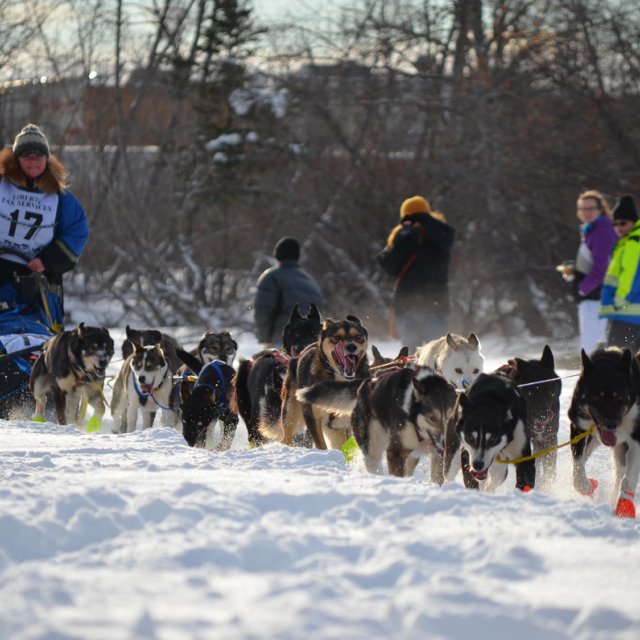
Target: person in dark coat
x=279, y=289
x=417, y=255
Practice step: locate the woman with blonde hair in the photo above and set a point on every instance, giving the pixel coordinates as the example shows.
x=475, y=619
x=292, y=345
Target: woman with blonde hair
x=597, y=238
x=417, y=255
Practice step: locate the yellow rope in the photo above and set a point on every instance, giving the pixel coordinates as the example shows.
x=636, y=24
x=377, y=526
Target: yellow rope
x=588, y=432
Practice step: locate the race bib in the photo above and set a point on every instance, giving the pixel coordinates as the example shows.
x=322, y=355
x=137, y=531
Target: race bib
x=27, y=222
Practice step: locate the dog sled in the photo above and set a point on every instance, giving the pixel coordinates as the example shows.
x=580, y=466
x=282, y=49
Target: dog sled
x=30, y=314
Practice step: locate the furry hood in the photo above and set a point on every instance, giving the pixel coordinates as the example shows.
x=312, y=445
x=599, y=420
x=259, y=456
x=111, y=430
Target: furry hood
x=53, y=180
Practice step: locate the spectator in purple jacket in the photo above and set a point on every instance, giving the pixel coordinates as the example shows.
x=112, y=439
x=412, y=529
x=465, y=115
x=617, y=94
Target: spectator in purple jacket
x=597, y=238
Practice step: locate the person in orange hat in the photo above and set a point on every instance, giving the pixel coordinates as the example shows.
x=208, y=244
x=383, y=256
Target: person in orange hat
x=417, y=255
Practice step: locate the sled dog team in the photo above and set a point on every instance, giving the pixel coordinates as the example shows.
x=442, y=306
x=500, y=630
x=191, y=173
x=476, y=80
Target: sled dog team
x=320, y=390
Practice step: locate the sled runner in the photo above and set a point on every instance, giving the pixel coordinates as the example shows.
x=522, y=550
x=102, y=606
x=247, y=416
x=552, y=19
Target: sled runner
x=27, y=320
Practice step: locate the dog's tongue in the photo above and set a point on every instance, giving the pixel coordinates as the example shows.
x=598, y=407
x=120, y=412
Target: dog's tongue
x=608, y=437
x=146, y=388
x=347, y=363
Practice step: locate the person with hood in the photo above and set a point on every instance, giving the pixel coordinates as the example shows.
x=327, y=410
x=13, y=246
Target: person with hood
x=279, y=289
x=597, y=238
x=621, y=289
x=43, y=227
x=417, y=255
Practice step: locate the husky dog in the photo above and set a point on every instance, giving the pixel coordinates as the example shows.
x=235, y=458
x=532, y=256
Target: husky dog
x=490, y=427
x=216, y=346
x=543, y=406
x=72, y=365
x=211, y=346
x=207, y=402
x=148, y=338
x=402, y=412
x=340, y=353
x=144, y=383
x=607, y=396
x=379, y=360
x=456, y=358
x=258, y=383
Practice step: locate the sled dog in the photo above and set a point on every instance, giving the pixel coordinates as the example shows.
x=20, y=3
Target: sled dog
x=402, y=412
x=72, y=365
x=607, y=396
x=144, y=384
x=259, y=382
x=208, y=402
x=543, y=407
x=340, y=353
x=456, y=358
x=490, y=425
x=148, y=338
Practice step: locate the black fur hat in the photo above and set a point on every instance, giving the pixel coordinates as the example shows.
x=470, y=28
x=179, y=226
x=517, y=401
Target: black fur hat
x=287, y=248
x=625, y=209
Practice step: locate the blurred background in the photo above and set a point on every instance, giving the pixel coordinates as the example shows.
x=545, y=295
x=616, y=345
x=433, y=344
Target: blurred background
x=198, y=132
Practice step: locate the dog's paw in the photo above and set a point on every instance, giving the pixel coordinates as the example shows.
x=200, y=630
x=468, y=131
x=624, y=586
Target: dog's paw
x=526, y=489
x=39, y=419
x=625, y=508
x=592, y=488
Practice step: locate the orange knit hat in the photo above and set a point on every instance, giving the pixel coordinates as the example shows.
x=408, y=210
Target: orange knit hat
x=417, y=204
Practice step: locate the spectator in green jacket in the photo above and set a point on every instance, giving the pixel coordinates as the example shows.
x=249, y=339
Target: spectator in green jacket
x=621, y=289
x=279, y=289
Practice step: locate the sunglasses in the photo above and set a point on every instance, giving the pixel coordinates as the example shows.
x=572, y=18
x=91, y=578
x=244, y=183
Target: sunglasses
x=622, y=223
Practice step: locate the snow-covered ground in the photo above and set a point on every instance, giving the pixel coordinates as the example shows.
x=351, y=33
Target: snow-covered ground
x=139, y=536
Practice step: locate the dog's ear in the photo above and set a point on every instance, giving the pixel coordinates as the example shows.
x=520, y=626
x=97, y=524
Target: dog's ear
x=131, y=333
x=547, y=359
x=473, y=341
x=354, y=319
x=295, y=313
x=377, y=356
x=586, y=361
x=314, y=313
x=137, y=347
x=451, y=342
x=625, y=361
x=403, y=353
x=190, y=360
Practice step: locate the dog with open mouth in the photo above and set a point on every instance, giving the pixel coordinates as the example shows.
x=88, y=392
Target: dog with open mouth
x=489, y=430
x=607, y=397
x=143, y=385
x=72, y=365
x=340, y=353
x=259, y=382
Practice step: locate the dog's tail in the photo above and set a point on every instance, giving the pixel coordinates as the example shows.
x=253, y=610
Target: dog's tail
x=338, y=397
x=271, y=429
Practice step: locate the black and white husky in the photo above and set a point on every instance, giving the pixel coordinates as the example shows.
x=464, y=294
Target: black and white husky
x=490, y=427
x=607, y=397
x=144, y=384
x=401, y=413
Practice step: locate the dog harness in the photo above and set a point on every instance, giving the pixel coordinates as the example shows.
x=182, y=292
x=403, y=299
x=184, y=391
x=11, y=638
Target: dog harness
x=221, y=402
